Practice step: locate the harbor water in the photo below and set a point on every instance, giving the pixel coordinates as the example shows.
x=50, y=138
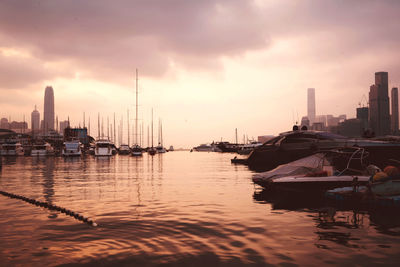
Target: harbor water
x=176, y=209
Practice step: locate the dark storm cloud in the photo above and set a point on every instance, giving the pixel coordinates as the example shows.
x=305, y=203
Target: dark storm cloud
x=108, y=39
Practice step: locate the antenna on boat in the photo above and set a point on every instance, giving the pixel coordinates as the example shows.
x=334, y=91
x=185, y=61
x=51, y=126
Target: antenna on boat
x=128, y=126
x=115, y=137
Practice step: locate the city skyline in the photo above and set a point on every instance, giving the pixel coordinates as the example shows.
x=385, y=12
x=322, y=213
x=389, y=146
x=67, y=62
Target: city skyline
x=248, y=65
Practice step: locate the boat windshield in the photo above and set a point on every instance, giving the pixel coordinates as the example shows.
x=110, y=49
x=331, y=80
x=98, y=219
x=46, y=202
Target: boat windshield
x=9, y=146
x=71, y=145
x=39, y=147
x=330, y=136
x=103, y=145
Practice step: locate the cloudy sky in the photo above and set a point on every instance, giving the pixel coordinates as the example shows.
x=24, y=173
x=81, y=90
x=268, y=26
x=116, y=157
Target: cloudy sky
x=206, y=67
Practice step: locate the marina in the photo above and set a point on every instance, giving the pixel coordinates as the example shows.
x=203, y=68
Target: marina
x=258, y=133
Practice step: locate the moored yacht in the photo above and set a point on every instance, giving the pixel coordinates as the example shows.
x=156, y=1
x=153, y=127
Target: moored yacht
x=12, y=149
x=160, y=148
x=72, y=148
x=136, y=151
x=247, y=148
x=103, y=148
x=124, y=149
x=42, y=149
x=203, y=148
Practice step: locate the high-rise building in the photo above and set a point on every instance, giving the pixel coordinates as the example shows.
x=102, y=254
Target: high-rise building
x=395, y=110
x=63, y=125
x=4, y=123
x=48, y=118
x=379, y=116
x=311, y=105
x=35, y=120
x=362, y=115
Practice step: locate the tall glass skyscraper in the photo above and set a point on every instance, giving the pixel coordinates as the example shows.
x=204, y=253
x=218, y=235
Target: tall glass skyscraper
x=48, y=119
x=35, y=120
x=395, y=110
x=311, y=105
x=379, y=116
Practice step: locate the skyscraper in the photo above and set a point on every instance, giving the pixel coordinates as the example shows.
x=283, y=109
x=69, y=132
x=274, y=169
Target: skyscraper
x=311, y=105
x=395, y=110
x=379, y=116
x=48, y=119
x=35, y=120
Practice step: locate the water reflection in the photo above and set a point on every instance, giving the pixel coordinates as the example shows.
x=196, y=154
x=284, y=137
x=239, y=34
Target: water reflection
x=179, y=209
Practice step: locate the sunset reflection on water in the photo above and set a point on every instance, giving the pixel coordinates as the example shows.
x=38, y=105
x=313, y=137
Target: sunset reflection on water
x=179, y=208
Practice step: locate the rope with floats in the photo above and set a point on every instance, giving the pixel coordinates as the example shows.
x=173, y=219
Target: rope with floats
x=46, y=205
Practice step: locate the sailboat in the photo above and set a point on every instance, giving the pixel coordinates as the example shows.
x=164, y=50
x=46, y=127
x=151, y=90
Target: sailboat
x=160, y=148
x=136, y=149
x=152, y=151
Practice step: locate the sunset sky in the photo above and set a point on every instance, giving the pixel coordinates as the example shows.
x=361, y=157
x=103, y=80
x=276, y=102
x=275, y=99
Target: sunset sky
x=206, y=67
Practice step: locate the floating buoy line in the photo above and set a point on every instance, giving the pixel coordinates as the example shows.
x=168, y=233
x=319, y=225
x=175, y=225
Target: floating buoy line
x=46, y=205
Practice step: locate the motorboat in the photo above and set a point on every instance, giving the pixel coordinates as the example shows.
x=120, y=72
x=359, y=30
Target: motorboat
x=72, y=148
x=136, y=151
x=247, y=148
x=103, y=148
x=11, y=149
x=124, y=149
x=294, y=145
x=318, y=172
x=42, y=149
x=203, y=148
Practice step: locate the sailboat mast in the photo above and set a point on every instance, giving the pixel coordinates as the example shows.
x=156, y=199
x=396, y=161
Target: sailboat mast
x=128, y=128
x=115, y=137
x=98, y=125
x=152, y=128
x=136, y=123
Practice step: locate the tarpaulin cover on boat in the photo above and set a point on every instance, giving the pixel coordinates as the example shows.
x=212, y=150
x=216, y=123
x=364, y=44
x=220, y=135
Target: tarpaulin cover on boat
x=302, y=166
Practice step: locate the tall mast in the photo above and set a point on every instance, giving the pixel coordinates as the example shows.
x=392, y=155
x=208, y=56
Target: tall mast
x=115, y=137
x=148, y=138
x=152, y=128
x=108, y=128
x=128, y=128
x=136, y=124
x=161, y=134
x=98, y=125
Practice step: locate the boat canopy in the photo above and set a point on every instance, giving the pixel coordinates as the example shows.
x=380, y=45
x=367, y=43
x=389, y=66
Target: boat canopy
x=302, y=166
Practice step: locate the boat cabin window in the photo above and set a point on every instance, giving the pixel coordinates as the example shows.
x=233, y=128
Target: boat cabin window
x=103, y=145
x=9, y=146
x=72, y=146
x=299, y=138
x=329, y=136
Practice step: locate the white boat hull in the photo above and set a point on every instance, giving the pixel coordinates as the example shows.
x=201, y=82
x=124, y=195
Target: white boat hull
x=11, y=152
x=103, y=151
x=71, y=153
x=39, y=153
